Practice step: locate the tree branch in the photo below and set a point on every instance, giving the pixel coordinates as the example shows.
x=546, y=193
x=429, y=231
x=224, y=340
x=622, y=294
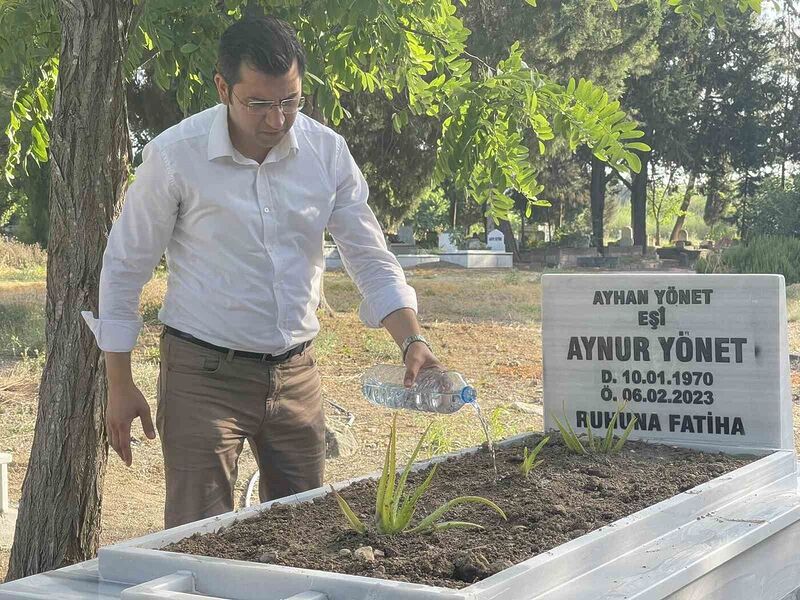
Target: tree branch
x=444, y=42
x=627, y=183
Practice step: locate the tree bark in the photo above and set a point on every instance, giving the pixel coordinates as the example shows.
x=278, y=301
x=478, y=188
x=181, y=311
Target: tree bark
x=510, y=239
x=59, y=514
x=687, y=199
x=639, y=205
x=598, y=203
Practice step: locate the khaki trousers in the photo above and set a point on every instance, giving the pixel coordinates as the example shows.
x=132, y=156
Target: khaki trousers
x=209, y=404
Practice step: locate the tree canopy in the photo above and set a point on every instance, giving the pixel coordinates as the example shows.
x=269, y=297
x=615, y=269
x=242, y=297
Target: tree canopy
x=413, y=53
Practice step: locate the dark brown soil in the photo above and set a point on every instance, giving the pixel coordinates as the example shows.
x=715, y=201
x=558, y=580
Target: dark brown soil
x=562, y=499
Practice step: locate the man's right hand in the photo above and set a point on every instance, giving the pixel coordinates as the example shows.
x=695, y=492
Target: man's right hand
x=125, y=403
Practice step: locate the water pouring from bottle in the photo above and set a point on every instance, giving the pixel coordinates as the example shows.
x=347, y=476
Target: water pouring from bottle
x=442, y=392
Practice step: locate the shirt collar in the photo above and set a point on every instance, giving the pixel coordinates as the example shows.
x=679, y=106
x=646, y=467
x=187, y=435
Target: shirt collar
x=219, y=141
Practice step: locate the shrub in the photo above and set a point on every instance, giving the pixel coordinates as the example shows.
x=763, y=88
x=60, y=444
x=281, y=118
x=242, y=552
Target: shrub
x=775, y=209
x=762, y=254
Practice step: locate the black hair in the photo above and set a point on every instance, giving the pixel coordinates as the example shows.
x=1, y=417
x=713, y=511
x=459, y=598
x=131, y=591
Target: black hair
x=266, y=44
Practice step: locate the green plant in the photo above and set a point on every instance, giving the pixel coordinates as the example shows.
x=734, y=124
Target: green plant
x=762, y=254
x=394, y=507
x=596, y=445
x=529, y=462
x=439, y=438
x=498, y=423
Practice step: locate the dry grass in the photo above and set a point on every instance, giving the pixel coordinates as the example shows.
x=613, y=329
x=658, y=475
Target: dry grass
x=483, y=324
x=21, y=262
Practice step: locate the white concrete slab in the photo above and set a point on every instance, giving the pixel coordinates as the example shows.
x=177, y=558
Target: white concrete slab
x=733, y=538
x=479, y=259
x=406, y=261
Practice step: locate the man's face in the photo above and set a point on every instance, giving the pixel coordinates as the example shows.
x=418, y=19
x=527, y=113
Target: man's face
x=257, y=126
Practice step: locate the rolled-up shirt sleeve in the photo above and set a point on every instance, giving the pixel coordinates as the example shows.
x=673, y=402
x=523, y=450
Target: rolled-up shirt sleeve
x=375, y=270
x=135, y=245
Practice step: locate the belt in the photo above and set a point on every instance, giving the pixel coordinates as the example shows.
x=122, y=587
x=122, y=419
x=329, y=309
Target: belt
x=277, y=358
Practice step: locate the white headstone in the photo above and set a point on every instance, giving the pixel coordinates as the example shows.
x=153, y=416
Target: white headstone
x=406, y=234
x=626, y=238
x=496, y=241
x=446, y=243
x=702, y=360
x=682, y=236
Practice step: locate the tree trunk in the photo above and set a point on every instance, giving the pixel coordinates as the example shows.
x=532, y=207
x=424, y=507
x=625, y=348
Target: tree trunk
x=598, y=202
x=510, y=240
x=687, y=198
x=639, y=205
x=59, y=514
x=716, y=200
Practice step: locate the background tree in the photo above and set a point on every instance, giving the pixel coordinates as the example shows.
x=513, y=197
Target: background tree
x=584, y=39
x=708, y=107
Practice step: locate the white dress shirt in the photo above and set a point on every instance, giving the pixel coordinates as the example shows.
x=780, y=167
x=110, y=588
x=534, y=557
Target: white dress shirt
x=243, y=240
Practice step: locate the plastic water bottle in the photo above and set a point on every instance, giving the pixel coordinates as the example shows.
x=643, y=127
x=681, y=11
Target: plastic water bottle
x=433, y=391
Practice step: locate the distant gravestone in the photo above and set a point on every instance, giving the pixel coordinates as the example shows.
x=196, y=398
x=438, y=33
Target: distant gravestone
x=474, y=243
x=446, y=243
x=626, y=239
x=406, y=234
x=496, y=241
x=700, y=360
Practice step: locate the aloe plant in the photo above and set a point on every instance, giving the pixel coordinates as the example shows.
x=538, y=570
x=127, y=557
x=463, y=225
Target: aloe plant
x=529, y=462
x=395, y=508
x=594, y=445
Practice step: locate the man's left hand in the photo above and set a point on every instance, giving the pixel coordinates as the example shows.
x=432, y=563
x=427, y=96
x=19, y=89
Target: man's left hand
x=418, y=357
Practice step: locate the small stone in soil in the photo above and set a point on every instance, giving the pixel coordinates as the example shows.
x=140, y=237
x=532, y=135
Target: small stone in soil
x=345, y=552
x=470, y=566
x=500, y=565
x=268, y=557
x=379, y=554
x=365, y=553
x=597, y=473
x=576, y=533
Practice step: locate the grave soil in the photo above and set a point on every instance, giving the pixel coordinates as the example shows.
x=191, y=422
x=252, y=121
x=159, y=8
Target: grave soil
x=564, y=498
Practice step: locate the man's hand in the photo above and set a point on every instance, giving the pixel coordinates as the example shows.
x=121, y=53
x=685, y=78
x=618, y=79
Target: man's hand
x=418, y=357
x=125, y=403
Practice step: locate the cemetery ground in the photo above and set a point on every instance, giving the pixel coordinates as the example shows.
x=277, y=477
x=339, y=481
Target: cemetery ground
x=485, y=324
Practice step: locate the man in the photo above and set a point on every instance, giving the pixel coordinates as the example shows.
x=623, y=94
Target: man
x=239, y=196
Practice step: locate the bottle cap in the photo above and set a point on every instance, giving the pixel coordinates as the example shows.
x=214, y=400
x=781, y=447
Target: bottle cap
x=468, y=394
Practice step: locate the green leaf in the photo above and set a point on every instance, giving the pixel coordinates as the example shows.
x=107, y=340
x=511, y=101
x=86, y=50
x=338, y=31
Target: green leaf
x=633, y=162
x=188, y=48
x=349, y=514
x=624, y=438
x=429, y=521
x=638, y=146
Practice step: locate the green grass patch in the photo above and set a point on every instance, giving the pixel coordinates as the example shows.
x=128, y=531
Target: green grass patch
x=326, y=344
x=33, y=273
x=22, y=330
x=381, y=346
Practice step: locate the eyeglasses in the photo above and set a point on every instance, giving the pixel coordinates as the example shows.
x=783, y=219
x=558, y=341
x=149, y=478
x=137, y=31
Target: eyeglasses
x=261, y=107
